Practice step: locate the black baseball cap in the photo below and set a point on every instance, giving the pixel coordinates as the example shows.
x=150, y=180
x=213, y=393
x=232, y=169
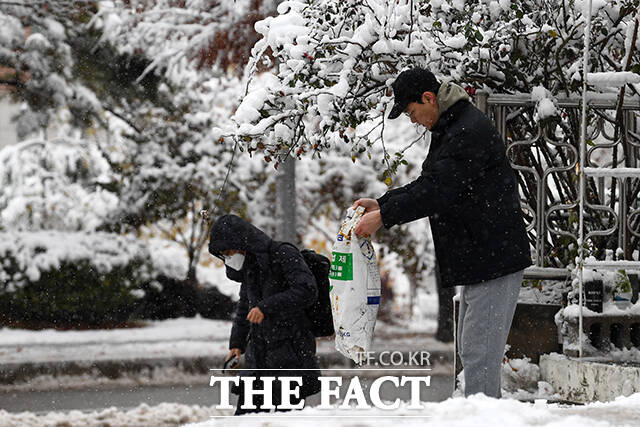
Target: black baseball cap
x=409, y=87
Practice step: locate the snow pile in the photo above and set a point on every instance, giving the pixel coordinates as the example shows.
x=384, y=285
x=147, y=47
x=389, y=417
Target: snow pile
x=543, y=292
x=520, y=374
x=95, y=379
x=459, y=412
x=545, y=106
x=572, y=311
x=613, y=79
x=165, y=414
x=474, y=411
x=166, y=339
x=521, y=380
x=625, y=355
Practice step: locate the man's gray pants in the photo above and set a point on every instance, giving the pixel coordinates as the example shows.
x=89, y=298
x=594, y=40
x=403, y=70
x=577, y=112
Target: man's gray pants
x=484, y=321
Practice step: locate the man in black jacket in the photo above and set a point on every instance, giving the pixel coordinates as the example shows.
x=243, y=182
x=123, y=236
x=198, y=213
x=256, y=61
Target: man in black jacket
x=469, y=192
x=270, y=325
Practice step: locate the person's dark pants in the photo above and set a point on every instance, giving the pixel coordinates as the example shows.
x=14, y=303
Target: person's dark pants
x=445, y=309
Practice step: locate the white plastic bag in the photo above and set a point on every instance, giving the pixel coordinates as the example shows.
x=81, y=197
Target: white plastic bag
x=355, y=289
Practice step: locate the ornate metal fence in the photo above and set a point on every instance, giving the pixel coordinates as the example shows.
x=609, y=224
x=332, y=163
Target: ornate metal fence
x=545, y=155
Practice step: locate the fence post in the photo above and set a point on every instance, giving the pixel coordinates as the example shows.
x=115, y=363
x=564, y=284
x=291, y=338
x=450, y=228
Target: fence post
x=482, y=101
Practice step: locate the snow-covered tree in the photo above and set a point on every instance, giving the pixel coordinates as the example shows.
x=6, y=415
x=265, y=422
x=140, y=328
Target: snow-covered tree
x=174, y=34
x=38, y=63
x=336, y=60
x=210, y=36
x=60, y=184
x=175, y=165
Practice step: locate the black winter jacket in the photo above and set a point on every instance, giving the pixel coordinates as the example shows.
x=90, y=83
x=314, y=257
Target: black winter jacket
x=276, y=279
x=468, y=190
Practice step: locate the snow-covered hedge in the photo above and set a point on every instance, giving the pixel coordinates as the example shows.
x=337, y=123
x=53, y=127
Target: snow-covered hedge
x=30, y=255
x=70, y=278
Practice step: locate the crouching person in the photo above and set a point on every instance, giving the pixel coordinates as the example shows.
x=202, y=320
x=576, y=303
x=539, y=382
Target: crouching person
x=270, y=326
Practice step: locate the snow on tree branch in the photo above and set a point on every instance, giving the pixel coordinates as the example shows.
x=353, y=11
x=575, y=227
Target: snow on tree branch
x=212, y=34
x=335, y=61
x=60, y=184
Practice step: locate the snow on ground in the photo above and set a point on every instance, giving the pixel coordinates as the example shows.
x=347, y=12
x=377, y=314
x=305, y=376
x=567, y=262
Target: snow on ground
x=158, y=330
x=181, y=337
x=521, y=380
x=155, y=376
x=163, y=340
x=165, y=414
x=172, y=337
x=455, y=412
x=474, y=411
x=384, y=330
x=127, y=351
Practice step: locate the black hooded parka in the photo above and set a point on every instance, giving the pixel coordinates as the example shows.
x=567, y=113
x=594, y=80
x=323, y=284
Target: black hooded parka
x=275, y=278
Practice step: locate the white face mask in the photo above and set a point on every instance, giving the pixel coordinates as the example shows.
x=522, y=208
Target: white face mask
x=235, y=261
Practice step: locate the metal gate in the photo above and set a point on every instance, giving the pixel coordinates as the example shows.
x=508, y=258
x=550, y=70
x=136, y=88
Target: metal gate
x=546, y=156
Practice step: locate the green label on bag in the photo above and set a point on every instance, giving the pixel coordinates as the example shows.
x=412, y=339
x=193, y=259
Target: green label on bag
x=341, y=266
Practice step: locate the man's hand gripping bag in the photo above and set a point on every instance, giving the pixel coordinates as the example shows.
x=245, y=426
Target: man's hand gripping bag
x=355, y=289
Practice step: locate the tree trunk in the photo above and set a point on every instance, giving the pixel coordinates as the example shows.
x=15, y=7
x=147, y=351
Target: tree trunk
x=286, y=202
x=192, y=280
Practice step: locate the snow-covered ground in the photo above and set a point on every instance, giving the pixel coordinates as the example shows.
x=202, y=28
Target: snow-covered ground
x=165, y=414
x=473, y=412
x=181, y=337
x=164, y=341
x=476, y=411
x=167, y=338
x=160, y=330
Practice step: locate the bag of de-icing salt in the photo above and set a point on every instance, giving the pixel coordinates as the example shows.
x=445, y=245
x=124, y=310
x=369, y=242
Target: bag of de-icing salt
x=355, y=289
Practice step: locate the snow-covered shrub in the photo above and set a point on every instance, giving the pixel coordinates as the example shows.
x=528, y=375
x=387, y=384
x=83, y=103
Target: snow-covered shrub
x=70, y=279
x=60, y=184
x=167, y=297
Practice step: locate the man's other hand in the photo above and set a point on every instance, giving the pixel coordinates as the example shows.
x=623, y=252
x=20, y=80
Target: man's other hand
x=369, y=223
x=370, y=205
x=255, y=315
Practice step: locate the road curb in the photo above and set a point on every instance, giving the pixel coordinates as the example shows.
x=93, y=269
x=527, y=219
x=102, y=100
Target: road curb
x=11, y=373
